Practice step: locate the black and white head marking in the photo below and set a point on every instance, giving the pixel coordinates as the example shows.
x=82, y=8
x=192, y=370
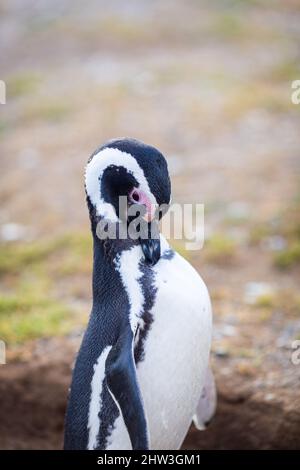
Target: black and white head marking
x=127, y=167
x=108, y=164
x=120, y=165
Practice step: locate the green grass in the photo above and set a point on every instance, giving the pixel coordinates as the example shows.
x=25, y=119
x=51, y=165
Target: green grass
x=286, y=71
x=15, y=257
x=286, y=224
x=22, y=84
x=230, y=26
x=25, y=318
x=235, y=25
x=283, y=300
x=74, y=251
x=48, y=109
x=179, y=246
x=271, y=97
x=259, y=232
x=29, y=276
x=220, y=249
x=289, y=257
x=266, y=301
x=289, y=228
x=3, y=126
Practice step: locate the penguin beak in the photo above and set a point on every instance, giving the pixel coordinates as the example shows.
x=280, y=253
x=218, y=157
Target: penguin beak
x=150, y=239
x=151, y=244
x=137, y=196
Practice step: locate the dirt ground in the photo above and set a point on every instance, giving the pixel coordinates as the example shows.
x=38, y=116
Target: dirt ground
x=250, y=414
x=209, y=84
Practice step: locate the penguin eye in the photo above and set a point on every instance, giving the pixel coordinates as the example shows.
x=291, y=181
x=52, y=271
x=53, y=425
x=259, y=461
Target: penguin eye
x=134, y=196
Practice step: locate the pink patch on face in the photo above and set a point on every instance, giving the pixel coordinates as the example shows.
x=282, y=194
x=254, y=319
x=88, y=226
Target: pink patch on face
x=137, y=196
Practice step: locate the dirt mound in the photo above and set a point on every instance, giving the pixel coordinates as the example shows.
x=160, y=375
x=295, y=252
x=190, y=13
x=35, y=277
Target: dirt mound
x=246, y=423
x=33, y=400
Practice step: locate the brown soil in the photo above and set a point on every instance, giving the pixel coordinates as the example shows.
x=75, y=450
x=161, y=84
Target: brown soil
x=33, y=400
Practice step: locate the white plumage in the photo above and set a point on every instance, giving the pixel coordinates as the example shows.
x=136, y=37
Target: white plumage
x=173, y=372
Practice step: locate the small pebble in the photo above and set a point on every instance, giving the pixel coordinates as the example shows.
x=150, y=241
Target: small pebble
x=13, y=232
x=254, y=290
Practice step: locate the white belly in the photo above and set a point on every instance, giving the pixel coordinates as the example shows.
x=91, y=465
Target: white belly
x=172, y=373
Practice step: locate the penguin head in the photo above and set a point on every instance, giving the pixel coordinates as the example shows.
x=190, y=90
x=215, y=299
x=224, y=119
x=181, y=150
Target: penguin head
x=135, y=172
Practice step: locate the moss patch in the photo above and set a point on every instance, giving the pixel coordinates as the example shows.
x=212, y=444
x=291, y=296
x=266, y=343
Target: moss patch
x=289, y=257
x=22, y=84
x=31, y=274
x=47, y=109
x=220, y=249
x=28, y=318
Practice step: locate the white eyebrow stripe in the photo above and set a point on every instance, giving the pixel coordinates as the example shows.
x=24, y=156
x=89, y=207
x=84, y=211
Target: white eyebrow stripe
x=94, y=172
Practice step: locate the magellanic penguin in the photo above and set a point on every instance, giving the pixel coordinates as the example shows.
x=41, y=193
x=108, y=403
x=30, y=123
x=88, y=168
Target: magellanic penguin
x=142, y=372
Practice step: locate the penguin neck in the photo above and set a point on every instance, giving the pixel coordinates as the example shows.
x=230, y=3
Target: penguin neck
x=101, y=265
x=105, y=273
x=99, y=257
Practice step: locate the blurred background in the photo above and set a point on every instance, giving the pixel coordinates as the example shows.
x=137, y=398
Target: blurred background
x=209, y=84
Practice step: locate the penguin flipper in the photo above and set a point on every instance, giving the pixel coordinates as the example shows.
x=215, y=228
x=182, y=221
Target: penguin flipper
x=123, y=386
x=207, y=402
